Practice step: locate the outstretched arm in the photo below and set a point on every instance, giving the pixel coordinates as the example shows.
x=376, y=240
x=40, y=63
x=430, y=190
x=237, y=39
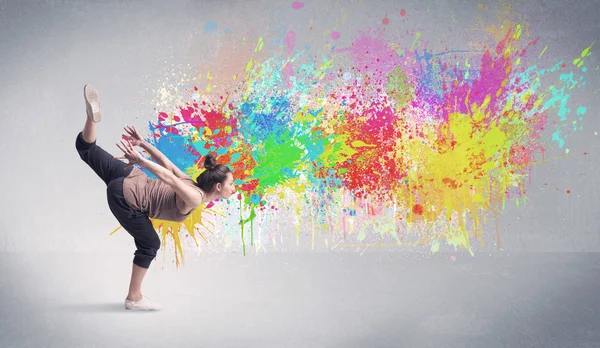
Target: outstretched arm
x=160, y=158
x=188, y=194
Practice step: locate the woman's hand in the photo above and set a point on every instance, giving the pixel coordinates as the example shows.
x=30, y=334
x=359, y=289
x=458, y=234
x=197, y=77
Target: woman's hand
x=133, y=136
x=131, y=155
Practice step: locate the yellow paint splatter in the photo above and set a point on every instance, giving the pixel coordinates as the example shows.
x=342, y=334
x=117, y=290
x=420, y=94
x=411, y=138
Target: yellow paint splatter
x=191, y=226
x=259, y=45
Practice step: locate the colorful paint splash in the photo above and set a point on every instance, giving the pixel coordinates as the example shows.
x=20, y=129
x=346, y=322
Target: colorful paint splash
x=373, y=143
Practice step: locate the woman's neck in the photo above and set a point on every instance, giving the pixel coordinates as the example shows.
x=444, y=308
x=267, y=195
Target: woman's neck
x=209, y=197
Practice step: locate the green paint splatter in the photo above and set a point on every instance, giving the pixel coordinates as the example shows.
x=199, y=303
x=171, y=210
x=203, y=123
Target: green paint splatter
x=276, y=169
x=435, y=246
x=361, y=235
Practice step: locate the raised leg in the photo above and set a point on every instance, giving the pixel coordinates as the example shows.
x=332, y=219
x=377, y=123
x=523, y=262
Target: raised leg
x=89, y=131
x=92, y=109
x=104, y=164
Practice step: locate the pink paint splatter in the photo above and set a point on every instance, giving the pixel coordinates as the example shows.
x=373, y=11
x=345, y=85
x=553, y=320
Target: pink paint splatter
x=297, y=5
x=335, y=35
x=453, y=258
x=385, y=21
x=290, y=41
x=288, y=71
x=372, y=53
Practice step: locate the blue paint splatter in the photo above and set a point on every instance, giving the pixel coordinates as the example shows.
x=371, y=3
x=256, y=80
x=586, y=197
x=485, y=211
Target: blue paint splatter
x=211, y=26
x=255, y=199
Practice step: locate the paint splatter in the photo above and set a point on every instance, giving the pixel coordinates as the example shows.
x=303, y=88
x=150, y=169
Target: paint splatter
x=297, y=5
x=374, y=140
x=211, y=26
x=290, y=41
x=385, y=21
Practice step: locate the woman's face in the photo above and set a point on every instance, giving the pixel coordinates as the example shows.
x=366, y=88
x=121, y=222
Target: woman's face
x=227, y=189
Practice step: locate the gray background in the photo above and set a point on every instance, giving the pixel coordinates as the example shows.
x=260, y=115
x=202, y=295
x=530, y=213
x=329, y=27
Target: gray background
x=62, y=278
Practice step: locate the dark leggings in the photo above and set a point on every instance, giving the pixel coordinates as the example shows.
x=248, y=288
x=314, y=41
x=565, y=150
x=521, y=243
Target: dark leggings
x=135, y=222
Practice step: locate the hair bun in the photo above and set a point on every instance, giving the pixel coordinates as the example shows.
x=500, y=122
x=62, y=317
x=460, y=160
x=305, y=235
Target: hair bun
x=210, y=162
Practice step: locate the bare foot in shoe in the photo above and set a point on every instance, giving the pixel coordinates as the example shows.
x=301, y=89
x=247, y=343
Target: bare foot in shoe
x=92, y=103
x=142, y=305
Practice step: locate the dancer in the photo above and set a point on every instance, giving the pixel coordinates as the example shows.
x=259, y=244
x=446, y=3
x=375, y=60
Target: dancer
x=134, y=198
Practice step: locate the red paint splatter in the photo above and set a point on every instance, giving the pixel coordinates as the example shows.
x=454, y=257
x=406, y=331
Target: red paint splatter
x=568, y=192
x=417, y=209
x=385, y=21
x=249, y=186
x=371, y=169
x=403, y=12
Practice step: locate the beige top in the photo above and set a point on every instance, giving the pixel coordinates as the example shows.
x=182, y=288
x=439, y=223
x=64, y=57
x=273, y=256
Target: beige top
x=153, y=196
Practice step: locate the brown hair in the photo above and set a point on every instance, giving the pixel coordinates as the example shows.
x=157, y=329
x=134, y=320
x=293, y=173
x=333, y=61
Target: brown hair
x=214, y=173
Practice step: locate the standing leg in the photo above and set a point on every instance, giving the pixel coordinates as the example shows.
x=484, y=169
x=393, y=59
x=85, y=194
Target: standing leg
x=139, y=226
x=135, y=284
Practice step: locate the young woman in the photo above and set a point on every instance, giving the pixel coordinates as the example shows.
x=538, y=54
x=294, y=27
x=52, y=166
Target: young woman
x=134, y=198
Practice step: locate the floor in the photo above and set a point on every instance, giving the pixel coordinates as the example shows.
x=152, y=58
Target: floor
x=332, y=299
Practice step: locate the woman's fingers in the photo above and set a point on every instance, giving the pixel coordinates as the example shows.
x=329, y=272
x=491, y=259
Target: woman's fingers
x=130, y=146
x=121, y=148
x=126, y=148
x=132, y=132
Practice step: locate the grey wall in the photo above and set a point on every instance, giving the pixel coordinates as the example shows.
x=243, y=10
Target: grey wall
x=131, y=49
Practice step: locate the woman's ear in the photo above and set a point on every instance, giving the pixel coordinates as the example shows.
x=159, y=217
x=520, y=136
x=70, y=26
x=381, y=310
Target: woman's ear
x=218, y=187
